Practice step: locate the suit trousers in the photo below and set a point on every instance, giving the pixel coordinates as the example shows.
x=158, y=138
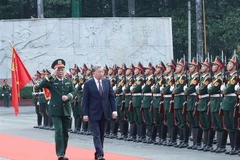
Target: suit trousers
x=98, y=127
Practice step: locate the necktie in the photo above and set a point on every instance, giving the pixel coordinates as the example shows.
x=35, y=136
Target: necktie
x=100, y=88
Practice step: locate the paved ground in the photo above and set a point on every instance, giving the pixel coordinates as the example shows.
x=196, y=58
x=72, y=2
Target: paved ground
x=22, y=126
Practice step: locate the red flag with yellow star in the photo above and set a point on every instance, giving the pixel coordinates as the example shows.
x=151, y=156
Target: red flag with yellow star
x=20, y=77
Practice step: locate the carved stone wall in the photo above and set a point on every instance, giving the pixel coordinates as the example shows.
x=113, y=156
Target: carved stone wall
x=87, y=40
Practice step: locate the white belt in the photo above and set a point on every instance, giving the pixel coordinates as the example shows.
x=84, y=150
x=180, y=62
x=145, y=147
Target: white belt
x=147, y=94
x=180, y=94
x=216, y=95
x=127, y=94
x=203, y=96
x=119, y=94
x=167, y=96
x=231, y=95
x=136, y=94
x=34, y=93
x=156, y=95
x=193, y=94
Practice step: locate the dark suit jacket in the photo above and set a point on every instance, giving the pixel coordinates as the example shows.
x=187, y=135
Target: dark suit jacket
x=94, y=104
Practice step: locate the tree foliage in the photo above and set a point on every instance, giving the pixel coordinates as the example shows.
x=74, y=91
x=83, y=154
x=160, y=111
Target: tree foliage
x=222, y=18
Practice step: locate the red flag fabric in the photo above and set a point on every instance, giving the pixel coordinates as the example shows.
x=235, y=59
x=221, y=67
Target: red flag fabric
x=20, y=77
x=47, y=93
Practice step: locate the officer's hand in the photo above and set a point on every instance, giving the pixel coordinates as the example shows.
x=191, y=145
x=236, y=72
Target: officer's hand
x=2, y=94
x=114, y=114
x=64, y=98
x=85, y=118
x=54, y=72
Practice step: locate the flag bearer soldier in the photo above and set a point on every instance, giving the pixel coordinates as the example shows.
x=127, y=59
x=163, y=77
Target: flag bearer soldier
x=168, y=105
x=35, y=94
x=228, y=105
x=180, y=81
x=43, y=103
x=136, y=91
x=147, y=106
x=190, y=91
x=62, y=91
x=158, y=104
x=128, y=104
x=75, y=107
x=121, y=80
x=205, y=118
x=6, y=93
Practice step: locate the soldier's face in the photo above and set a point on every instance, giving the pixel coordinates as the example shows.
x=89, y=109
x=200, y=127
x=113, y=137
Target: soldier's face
x=99, y=73
x=60, y=73
x=204, y=68
x=168, y=70
x=136, y=71
x=88, y=72
x=179, y=68
x=42, y=76
x=72, y=71
x=192, y=68
x=110, y=72
x=157, y=71
x=214, y=67
x=128, y=72
x=230, y=66
x=147, y=71
x=120, y=71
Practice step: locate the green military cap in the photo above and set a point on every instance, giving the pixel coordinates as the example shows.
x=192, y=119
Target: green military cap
x=207, y=63
x=218, y=62
x=234, y=60
x=140, y=67
x=58, y=63
x=47, y=72
x=194, y=63
x=182, y=63
x=38, y=74
x=150, y=66
x=123, y=67
x=161, y=65
x=131, y=67
x=172, y=64
x=106, y=69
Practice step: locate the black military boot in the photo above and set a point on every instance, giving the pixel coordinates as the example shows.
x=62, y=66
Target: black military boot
x=132, y=133
x=186, y=138
x=146, y=132
x=236, y=149
x=115, y=130
x=174, y=131
x=159, y=136
x=194, y=138
x=199, y=139
x=124, y=131
x=223, y=142
x=79, y=125
x=85, y=127
x=211, y=134
x=121, y=132
x=153, y=135
x=139, y=133
x=107, y=129
x=39, y=121
x=180, y=137
x=205, y=141
x=232, y=138
x=163, y=134
x=218, y=141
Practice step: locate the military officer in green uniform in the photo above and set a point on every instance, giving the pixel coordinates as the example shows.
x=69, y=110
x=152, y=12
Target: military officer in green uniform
x=202, y=91
x=228, y=104
x=147, y=106
x=158, y=102
x=62, y=91
x=180, y=81
x=136, y=90
x=6, y=93
x=190, y=91
x=214, y=90
x=168, y=103
x=35, y=94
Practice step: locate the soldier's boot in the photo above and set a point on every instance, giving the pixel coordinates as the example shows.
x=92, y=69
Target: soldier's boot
x=159, y=129
x=124, y=130
x=114, y=133
x=39, y=121
x=199, y=133
x=236, y=149
x=139, y=133
x=174, y=132
x=121, y=131
x=45, y=126
x=218, y=141
x=76, y=124
x=205, y=141
x=153, y=135
x=50, y=123
x=232, y=138
x=89, y=131
x=169, y=136
x=186, y=138
x=79, y=125
x=144, y=132
x=211, y=134
x=148, y=134
x=107, y=129
x=132, y=132
x=70, y=126
x=85, y=127
x=163, y=134
x=180, y=137
x=194, y=138
x=223, y=142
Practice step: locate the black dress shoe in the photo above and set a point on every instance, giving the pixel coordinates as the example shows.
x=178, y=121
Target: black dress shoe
x=221, y=150
x=63, y=158
x=100, y=158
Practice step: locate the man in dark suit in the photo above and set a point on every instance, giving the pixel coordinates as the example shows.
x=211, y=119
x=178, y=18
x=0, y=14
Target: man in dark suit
x=62, y=91
x=98, y=101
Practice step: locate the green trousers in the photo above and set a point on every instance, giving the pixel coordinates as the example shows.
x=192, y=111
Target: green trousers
x=138, y=115
x=193, y=120
x=158, y=118
x=217, y=121
x=148, y=116
x=6, y=100
x=61, y=125
x=205, y=120
x=182, y=123
x=230, y=121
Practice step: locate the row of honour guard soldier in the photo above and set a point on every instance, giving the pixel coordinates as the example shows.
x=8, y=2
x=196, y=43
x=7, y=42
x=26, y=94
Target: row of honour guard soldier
x=180, y=98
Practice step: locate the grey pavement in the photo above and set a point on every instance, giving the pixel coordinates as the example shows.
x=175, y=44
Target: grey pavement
x=22, y=125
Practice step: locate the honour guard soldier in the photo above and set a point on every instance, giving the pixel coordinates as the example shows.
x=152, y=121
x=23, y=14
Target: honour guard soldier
x=128, y=103
x=168, y=103
x=6, y=93
x=214, y=91
x=48, y=95
x=190, y=92
x=158, y=102
x=136, y=91
x=62, y=91
x=178, y=92
x=228, y=104
x=147, y=106
x=35, y=94
x=205, y=119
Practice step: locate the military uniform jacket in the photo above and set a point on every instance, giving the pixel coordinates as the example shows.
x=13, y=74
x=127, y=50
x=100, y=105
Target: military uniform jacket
x=147, y=92
x=137, y=91
x=42, y=98
x=118, y=90
x=214, y=90
x=167, y=91
x=229, y=100
x=79, y=90
x=6, y=89
x=35, y=93
x=203, y=92
x=126, y=90
x=179, y=93
x=191, y=91
x=159, y=81
x=58, y=89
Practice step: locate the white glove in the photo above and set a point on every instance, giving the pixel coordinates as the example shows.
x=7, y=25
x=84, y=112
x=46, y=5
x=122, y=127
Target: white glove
x=76, y=86
x=152, y=87
x=38, y=103
x=185, y=88
x=236, y=87
x=209, y=85
x=223, y=87
x=123, y=88
x=161, y=88
x=85, y=118
x=2, y=94
x=114, y=87
x=114, y=114
x=10, y=94
x=48, y=102
x=196, y=88
x=171, y=88
x=131, y=88
x=82, y=86
x=143, y=86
